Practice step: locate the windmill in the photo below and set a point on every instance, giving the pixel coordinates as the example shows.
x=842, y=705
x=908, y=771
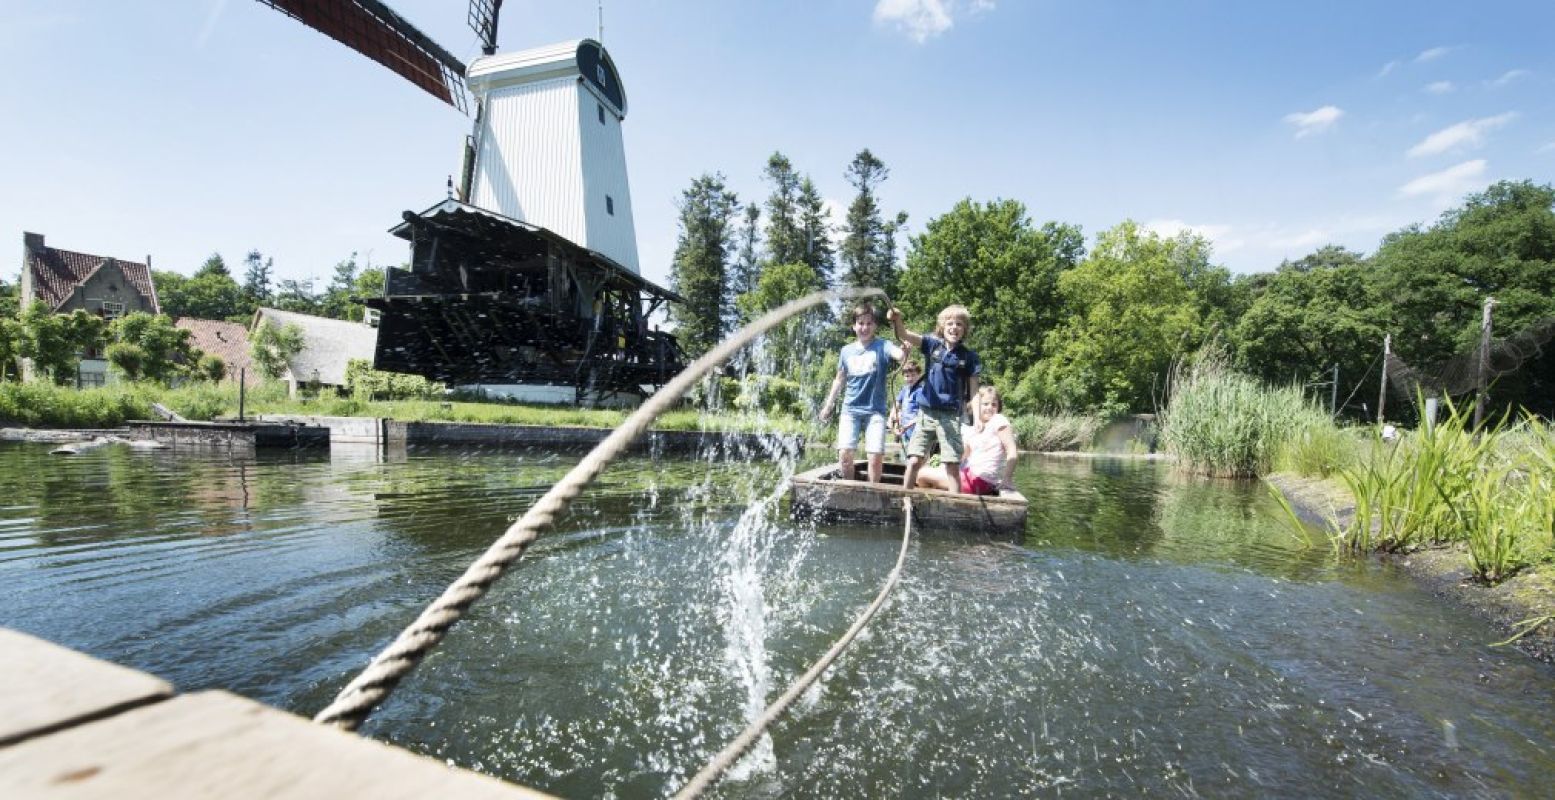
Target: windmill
x=523, y=282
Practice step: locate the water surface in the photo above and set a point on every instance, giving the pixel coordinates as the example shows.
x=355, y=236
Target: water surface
x=1149, y=634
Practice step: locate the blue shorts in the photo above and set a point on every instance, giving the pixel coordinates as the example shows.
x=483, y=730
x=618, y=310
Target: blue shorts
x=869, y=423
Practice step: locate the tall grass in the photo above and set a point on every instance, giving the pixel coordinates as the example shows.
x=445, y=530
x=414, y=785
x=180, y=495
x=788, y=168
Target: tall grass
x=1055, y=432
x=1490, y=490
x=1220, y=422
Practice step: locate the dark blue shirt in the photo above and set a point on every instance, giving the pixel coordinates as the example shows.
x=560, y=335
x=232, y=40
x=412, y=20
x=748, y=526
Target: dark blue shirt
x=949, y=369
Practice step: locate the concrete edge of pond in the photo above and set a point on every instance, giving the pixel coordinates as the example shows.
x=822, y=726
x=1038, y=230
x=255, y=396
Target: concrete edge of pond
x=1445, y=571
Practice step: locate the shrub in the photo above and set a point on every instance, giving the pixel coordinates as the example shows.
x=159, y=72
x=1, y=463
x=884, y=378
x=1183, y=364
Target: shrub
x=1055, y=432
x=1221, y=422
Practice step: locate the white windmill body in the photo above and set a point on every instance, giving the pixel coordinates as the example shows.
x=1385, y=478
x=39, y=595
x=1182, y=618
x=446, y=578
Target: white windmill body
x=548, y=145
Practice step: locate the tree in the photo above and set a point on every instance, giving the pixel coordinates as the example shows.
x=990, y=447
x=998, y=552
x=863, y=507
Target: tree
x=210, y=294
x=785, y=239
x=337, y=297
x=215, y=265
x=54, y=342
x=868, y=252
x=990, y=259
x=815, y=231
x=746, y=269
x=791, y=343
x=1128, y=311
x=272, y=347
x=150, y=346
x=701, y=262
x=10, y=299
x=298, y=296
x=256, y=278
x=10, y=346
x=1311, y=314
x=1500, y=243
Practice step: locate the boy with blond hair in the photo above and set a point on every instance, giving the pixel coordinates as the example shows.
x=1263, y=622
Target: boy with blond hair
x=950, y=380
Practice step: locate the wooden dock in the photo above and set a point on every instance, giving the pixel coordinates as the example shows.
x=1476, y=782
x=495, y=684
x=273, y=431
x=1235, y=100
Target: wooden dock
x=74, y=726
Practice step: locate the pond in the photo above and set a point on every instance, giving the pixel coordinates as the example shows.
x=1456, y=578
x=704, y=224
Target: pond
x=1149, y=634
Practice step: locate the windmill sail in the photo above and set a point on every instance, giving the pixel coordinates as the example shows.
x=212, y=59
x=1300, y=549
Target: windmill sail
x=372, y=29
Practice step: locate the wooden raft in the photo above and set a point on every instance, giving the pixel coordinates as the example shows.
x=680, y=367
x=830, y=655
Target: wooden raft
x=821, y=494
x=75, y=726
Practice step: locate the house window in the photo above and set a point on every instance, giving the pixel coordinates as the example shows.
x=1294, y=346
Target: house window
x=610, y=205
x=112, y=310
x=601, y=107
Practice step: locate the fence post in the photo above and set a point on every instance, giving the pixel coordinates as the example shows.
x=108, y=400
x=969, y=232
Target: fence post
x=1382, y=394
x=1484, y=363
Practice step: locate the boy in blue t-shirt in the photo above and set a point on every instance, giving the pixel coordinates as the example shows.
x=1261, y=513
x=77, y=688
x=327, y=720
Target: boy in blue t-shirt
x=949, y=383
x=863, y=367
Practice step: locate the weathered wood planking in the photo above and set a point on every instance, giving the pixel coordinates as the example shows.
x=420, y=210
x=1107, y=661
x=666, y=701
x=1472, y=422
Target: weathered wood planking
x=44, y=687
x=821, y=494
x=218, y=745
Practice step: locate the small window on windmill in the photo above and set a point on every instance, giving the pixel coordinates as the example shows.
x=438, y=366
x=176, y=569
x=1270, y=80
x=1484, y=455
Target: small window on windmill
x=610, y=205
x=601, y=107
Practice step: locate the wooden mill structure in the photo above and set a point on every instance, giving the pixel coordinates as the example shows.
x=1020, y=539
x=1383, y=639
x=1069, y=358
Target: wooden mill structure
x=523, y=282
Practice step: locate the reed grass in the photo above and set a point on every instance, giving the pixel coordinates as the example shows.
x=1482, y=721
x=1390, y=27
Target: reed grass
x=1223, y=423
x=1055, y=432
x=1490, y=489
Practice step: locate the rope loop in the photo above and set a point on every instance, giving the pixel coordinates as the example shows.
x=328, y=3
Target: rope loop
x=365, y=692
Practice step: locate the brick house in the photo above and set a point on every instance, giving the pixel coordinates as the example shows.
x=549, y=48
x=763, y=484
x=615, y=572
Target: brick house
x=66, y=280
x=227, y=341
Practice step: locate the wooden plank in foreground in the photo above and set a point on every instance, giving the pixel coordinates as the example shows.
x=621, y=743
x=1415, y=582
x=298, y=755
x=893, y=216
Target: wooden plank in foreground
x=219, y=745
x=44, y=687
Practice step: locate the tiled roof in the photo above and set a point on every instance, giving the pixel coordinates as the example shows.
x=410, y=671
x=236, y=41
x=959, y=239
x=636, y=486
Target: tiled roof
x=56, y=273
x=327, y=344
x=227, y=341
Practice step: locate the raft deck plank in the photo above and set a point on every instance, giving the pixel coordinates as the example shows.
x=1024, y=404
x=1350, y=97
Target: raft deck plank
x=821, y=494
x=79, y=727
x=45, y=687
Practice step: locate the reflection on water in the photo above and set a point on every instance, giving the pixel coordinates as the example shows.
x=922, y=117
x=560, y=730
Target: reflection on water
x=1151, y=634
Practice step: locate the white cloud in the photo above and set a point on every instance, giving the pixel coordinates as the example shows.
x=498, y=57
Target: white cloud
x=211, y=18
x=1221, y=236
x=1469, y=133
x=1547, y=147
x=1310, y=122
x=1310, y=238
x=1450, y=182
x=1432, y=54
x=1387, y=68
x=1507, y=77
x=1439, y=87
x=921, y=20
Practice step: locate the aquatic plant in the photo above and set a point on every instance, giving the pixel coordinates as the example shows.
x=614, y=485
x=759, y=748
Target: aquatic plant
x=1055, y=431
x=1221, y=422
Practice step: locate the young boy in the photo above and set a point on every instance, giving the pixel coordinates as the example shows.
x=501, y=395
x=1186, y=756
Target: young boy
x=863, y=367
x=949, y=382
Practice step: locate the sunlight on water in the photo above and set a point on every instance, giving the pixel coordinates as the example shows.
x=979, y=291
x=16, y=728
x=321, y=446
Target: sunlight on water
x=1150, y=635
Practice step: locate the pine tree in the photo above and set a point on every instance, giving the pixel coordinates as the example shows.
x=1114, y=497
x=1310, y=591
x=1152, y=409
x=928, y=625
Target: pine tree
x=815, y=229
x=785, y=239
x=868, y=247
x=746, y=270
x=702, y=252
x=256, y=277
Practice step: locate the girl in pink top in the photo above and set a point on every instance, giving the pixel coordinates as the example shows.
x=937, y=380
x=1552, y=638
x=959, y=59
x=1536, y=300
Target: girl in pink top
x=990, y=455
x=988, y=450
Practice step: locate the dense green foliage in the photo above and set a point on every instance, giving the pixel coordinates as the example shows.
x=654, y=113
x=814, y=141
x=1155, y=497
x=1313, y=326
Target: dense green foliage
x=272, y=346
x=365, y=383
x=1221, y=422
x=991, y=259
x=700, y=270
x=149, y=346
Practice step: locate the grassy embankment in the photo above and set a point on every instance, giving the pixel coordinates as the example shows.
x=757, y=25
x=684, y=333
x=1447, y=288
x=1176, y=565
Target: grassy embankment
x=1492, y=494
x=40, y=405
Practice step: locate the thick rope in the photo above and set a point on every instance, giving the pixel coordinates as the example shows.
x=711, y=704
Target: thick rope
x=730, y=755
x=367, y=690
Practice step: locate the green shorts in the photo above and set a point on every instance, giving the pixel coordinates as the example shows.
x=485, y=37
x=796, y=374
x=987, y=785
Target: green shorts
x=944, y=423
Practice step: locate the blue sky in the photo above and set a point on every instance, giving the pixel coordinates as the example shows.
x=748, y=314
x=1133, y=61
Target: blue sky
x=185, y=127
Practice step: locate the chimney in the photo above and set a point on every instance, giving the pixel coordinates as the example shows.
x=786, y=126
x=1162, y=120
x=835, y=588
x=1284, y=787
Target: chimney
x=32, y=241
